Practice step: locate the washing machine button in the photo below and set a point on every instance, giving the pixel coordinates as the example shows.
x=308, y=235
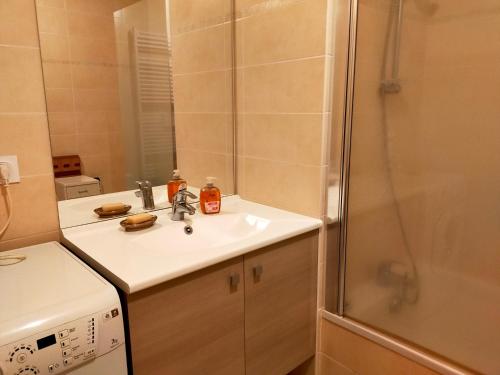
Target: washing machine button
x=68, y=361
x=65, y=343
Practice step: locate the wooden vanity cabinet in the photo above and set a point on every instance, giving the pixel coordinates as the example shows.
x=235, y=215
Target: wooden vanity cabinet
x=280, y=305
x=191, y=325
x=251, y=315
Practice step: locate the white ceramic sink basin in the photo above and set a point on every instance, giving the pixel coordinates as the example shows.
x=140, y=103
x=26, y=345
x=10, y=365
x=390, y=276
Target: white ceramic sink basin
x=138, y=260
x=209, y=231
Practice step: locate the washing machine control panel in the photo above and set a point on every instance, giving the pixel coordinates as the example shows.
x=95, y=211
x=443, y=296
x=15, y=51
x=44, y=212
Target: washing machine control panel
x=69, y=345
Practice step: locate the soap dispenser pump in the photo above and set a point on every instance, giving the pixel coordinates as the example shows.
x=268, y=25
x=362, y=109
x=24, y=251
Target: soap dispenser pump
x=174, y=183
x=210, y=197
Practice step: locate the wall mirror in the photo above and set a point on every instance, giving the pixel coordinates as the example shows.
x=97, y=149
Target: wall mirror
x=136, y=89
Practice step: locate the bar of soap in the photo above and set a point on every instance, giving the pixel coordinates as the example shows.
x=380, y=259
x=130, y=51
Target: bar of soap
x=139, y=218
x=112, y=207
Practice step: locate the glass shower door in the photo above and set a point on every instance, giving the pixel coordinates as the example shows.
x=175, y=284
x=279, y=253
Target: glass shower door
x=422, y=241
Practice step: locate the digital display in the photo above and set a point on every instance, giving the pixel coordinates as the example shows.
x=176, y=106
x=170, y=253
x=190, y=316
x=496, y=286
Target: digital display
x=46, y=341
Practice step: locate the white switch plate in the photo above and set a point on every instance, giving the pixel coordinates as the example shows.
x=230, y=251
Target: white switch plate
x=11, y=160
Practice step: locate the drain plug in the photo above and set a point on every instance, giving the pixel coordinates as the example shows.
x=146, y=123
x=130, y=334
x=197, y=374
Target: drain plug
x=188, y=229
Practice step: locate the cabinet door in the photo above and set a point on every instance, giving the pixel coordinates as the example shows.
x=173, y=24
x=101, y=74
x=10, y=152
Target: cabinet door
x=280, y=305
x=191, y=325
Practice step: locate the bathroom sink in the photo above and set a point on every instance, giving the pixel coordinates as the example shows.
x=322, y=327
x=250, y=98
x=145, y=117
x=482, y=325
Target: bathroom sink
x=138, y=260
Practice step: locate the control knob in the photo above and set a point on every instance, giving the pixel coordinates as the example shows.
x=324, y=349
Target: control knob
x=28, y=370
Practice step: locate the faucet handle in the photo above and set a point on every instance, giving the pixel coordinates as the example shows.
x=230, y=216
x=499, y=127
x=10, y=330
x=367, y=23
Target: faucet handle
x=183, y=192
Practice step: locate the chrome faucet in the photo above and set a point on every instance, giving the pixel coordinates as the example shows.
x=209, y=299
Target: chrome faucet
x=180, y=206
x=146, y=193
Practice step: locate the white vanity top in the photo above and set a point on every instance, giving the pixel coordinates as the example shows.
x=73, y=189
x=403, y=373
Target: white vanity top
x=139, y=260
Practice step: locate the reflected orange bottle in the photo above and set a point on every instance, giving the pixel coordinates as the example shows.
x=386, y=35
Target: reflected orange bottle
x=174, y=183
x=210, y=197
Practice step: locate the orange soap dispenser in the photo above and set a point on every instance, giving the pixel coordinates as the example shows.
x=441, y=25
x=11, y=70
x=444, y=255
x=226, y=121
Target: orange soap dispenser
x=174, y=183
x=210, y=198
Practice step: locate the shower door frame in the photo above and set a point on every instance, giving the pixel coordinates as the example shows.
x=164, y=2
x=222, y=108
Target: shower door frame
x=385, y=340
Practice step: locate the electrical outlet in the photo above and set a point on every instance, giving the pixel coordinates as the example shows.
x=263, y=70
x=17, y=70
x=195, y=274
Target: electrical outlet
x=11, y=161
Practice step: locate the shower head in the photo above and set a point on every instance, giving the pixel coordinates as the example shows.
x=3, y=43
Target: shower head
x=428, y=7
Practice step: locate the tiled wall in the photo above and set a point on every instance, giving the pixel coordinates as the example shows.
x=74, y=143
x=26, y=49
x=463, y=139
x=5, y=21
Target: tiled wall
x=78, y=47
x=24, y=129
x=283, y=107
x=202, y=67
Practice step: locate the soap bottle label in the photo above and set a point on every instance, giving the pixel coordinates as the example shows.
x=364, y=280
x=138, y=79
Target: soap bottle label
x=212, y=207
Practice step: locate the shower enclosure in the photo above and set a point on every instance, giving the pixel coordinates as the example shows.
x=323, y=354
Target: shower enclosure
x=419, y=251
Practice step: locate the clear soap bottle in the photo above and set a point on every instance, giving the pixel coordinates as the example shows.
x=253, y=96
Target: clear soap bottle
x=210, y=197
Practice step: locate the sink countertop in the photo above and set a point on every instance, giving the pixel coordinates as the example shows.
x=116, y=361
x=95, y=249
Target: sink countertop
x=138, y=260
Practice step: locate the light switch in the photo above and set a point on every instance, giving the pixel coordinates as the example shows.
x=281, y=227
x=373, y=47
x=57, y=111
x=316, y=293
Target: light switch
x=13, y=164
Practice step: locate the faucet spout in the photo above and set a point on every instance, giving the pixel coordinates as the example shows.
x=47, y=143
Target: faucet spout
x=180, y=206
x=146, y=193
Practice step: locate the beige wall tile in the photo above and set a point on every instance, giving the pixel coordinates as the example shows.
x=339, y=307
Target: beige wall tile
x=96, y=100
x=200, y=50
x=202, y=92
x=291, y=87
x=35, y=239
x=25, y=134
x=282, y=137
x=197, y=165
x=93, y=144
x=98, y=166
x=54, y=48
x=50, y=3
x=66, y=144
x=92, y=122
x=92, y=50
x=210, y=132
x=195, y=14
x=22, y=83
x=91, y=25
x=94, y=77
x=27, y=137
x=57, y=75
x=62, y=123
x=295, y=30
x=18, y=23
x=35, y=194
x=284, y=185
x=102, y=7
x=52, y=20
x=59, y=100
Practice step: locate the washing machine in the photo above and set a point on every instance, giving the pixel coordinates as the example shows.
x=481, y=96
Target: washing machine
x=57, y=316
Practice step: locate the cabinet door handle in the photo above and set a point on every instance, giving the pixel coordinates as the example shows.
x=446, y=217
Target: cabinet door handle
x=257, y=272
x=234, y=280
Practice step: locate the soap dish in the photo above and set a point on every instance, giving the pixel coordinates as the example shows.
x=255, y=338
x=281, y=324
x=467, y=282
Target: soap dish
x=121, y=211
x=139, y=226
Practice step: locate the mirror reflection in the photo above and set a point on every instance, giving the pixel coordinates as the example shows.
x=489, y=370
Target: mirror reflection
x=113, y=70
